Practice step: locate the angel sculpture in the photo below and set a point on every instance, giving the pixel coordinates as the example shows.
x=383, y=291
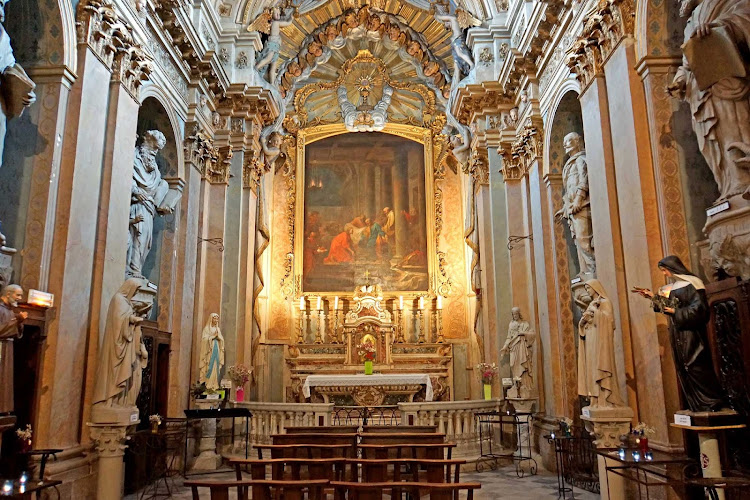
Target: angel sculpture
x=270, y=23
x=271, y=146
x=463, y=62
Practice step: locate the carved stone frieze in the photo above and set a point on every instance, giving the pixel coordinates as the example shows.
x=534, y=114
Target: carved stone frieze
x=606, y=26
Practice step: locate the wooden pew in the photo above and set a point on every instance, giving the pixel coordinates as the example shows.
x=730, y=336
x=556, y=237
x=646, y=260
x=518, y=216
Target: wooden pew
x=349, y=439
x=403, y=437
x=416, y=470
x=331, y=469
x=407, y=450
x=323, y=429
x=375, y=491
x=397, y=429
x=261, y=490
x=306, y=451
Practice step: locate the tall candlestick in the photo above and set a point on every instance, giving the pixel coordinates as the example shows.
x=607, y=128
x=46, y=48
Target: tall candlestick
x=439, y=301
x=421, y=303
x=336, y=303
x=318, y=305
x=302, y=303
x=401, y=302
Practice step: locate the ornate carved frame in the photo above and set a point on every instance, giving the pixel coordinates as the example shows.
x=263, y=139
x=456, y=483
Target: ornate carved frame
x=435, y=146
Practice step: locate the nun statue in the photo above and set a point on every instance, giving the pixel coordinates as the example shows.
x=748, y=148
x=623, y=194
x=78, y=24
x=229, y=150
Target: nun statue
x=212, y=353
x=597, y=371
x=688, y=314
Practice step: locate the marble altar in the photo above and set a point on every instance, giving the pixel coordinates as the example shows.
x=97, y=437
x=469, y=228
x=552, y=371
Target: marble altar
x=368, y=390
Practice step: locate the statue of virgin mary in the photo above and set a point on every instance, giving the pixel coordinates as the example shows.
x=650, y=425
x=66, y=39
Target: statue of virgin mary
x=212, y=353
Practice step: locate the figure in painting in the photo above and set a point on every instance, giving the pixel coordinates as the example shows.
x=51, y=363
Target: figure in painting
x=341, y=248
x=688, y=317
x=721, y=103
x=519, y=345
x=597, y=371
x=121, y=349
x=11, y=327
x=576, y=203
x=270, y=23
x=212, y=353
x=389, y=223
x=147, y=199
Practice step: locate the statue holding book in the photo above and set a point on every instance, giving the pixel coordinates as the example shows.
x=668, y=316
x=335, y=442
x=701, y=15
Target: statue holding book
x=713, y=80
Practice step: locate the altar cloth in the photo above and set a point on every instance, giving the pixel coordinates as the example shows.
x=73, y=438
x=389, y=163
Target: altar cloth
x=368, y=380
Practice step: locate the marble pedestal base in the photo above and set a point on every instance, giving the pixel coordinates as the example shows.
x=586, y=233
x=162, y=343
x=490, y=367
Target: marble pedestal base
x=109, y=428
x=207, y=458
x=607, y=425
x=523, y=405
x=729, y=237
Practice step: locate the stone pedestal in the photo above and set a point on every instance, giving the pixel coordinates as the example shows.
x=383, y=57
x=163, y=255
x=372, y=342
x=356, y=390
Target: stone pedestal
x=108, y=428
x=728, y=231
x=207, y=458
x=607, y=424
x=709, y=425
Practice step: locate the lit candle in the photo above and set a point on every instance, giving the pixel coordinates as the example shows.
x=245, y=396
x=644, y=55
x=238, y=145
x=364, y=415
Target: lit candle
x=401, y=302
x=439, y=301
x=336, y=303
x=302, y=303
x=421, y=302
x=318, y=307
x=7, y=486
x=23, y=478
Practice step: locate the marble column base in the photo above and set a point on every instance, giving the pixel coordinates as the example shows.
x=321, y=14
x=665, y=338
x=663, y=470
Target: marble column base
x=109, y=429
x=607, y=425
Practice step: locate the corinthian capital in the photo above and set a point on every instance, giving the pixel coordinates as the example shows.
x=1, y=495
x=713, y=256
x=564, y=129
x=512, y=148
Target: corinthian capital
x=101, y=28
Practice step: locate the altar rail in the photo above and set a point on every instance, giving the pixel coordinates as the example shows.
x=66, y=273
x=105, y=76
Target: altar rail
x=454, y=418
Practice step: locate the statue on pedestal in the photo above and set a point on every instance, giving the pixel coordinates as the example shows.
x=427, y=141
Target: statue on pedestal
x=122, y=354
x=212, y=353
x=597, y=370
x=688, y=317
x=150, y=194
x=576, y=203
x=519, y=345
x=11, y=327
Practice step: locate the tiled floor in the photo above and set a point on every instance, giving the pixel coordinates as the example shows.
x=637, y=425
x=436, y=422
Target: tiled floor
x=496, y=484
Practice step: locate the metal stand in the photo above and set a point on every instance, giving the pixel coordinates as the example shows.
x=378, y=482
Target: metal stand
x=521, y=423
x=557, y=442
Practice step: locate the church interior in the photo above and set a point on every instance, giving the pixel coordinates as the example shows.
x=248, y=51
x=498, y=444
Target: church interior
x=375, y=248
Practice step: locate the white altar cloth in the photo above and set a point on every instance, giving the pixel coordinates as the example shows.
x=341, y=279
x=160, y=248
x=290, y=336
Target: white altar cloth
x=362, y=380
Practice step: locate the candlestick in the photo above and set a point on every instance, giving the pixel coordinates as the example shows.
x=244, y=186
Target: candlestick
x=439, y=301
x=421, y=339
x=301, y=326
x=302, y=303
x=318, y=305
x=401, y=302
x=336, y=303
x=439, y=325
x=399, y=326
x=421, y=303
x=321, y=325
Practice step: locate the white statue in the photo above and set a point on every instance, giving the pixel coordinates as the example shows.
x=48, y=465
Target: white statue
x=271, y=146
x=150, y=194
x=122, y=355
x=212, y=353
x=463, y=62
x=597, y=371
x=720, y=109
x=270, y=23
x=519, y=344
x=576, y=203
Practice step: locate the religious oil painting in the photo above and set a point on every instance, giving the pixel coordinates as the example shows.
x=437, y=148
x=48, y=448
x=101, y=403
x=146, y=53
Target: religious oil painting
x=364, y=212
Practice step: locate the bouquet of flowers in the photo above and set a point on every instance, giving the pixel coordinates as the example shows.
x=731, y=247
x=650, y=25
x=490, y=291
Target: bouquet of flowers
x=487, y=372
x=155, y=419
x=366, y=351
x=24, y=434
x=643, y=430
x=239, y=374
x=565, y=425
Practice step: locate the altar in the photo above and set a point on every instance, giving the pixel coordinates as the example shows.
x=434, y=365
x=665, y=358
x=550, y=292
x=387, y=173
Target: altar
x=369, y=390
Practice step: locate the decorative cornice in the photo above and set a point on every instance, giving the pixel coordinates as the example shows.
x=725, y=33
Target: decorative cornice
x=474, y=100
x=606, y=26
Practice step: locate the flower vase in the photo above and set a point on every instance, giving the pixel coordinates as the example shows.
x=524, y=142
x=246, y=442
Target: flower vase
x=368, y=367
x=642, y=443
x=154, y=427
x=25, y=445
x=239, y=394
x=487, y=392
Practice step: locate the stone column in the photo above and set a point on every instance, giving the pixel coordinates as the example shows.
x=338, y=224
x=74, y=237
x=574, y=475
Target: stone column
x=607, y=425
x=108, y=430
x=207, y=458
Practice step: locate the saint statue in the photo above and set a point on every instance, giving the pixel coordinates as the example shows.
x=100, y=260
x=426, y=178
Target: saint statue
x=148, y=197
x=212, y=353
x=122, y=353
x=688, y=316
x=519, y=345
x=720, y=98
x=11, y=327
x=576, y=203
x=270, y=23
x=597, y=371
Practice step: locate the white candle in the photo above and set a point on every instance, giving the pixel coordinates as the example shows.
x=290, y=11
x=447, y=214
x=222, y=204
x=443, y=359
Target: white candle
x=439, y=301
x=421, y=302
x=401, y=302
x=336, y=303
x=302, y=303
x=318, y=308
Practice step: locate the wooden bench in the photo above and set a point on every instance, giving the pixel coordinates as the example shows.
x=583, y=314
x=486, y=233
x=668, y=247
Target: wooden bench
x=323, y=429
x=427, y=471
x=306, y=451
x=402, y=437
x=349, y=439
x=407, y=450
x=397, y=429
x=375, y=491
x=261, y=489
x=291, y=468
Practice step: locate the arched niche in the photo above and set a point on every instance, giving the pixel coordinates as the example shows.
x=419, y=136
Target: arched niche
x=153, y=115
x=42, y=32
